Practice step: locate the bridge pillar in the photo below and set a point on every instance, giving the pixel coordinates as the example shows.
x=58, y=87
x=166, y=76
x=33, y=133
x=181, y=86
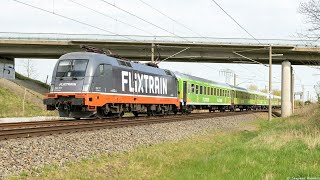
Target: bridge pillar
x=286, y=80
x=7, y=69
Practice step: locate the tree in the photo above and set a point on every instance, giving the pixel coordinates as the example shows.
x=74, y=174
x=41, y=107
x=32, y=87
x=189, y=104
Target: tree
x=253, y=87
x=29, y=68
x=311, y=10
x=276, y=92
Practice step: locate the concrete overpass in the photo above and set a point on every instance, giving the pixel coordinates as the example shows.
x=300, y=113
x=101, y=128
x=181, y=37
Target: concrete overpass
x=197, y=52
x=204, y=52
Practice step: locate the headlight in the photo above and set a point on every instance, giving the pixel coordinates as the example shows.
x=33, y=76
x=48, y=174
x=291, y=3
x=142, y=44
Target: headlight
x=86, y=87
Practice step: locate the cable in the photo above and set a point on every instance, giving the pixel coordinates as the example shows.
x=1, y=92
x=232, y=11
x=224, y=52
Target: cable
x=174, y=54
x=172, y=19
x=144, y=20
x=235, y=21
x=105, y=15
x=71, y=19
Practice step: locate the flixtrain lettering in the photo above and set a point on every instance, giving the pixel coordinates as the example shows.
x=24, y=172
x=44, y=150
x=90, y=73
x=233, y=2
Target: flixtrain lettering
x=143, y=83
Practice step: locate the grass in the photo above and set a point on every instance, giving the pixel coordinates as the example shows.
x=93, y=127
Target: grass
x=11, y=105
x=22, y=77
x=280, y=149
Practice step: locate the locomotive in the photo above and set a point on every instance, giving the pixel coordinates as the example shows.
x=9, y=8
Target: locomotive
x=88, y=84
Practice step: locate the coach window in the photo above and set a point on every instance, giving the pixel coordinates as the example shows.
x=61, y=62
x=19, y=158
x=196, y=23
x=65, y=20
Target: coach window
x=192, y=88
x=197, y=89
x=215, y=91
x=204, y=90
x=200, y=90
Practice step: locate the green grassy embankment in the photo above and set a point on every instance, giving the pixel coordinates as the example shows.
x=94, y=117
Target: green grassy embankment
x=22, y=77
x=11, y=105
x=12, y=93
x=285, y=147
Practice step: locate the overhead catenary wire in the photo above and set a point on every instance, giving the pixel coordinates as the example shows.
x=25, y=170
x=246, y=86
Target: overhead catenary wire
x=179, y=23
x=144, y=20
x=174, y=54
x=214, y=1
x=234, y=20
x=71, y=19
x=105, y=15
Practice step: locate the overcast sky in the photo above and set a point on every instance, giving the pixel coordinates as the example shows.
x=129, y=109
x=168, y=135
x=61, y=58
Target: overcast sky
x=263, y=19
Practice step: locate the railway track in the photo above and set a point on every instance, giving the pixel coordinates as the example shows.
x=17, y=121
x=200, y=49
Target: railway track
x=41, y=128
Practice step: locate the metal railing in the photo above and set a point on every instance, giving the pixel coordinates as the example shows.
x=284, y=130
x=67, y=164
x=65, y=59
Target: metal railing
x=141, y=38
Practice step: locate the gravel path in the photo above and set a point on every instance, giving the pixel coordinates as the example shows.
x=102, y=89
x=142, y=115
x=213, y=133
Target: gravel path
x=26, y=154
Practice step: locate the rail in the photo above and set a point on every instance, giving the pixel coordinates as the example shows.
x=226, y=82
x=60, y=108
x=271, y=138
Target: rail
x=41, y=128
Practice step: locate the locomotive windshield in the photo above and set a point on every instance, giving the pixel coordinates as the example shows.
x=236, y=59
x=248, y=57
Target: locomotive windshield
x=72, y=68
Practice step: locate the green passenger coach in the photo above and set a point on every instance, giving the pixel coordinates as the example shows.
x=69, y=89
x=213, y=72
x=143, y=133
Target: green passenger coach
x=199, y=93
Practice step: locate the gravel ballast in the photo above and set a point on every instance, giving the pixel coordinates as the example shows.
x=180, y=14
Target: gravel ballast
x=19, y=155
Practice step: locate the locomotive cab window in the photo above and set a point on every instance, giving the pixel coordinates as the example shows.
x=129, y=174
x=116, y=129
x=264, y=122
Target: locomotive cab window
x=72, y=68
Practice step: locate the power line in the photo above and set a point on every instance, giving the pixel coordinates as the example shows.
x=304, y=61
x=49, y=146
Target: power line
x=105, y=15
x=144, y=20
x=235, y=21
x=172, y=19
x=71, y=19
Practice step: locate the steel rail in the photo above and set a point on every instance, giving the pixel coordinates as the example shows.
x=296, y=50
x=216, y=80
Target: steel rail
x=32, y=131
x=72, y=121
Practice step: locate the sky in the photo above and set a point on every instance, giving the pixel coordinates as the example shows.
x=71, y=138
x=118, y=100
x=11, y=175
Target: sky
x=263, y=19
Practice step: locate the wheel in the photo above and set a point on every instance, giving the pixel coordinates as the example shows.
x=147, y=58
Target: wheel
x=120, y=115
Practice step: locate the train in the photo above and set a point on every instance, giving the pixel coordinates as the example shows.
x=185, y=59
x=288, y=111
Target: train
x=90, y=84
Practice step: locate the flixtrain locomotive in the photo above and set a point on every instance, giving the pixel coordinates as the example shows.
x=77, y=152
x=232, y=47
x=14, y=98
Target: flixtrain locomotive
x=87, y=84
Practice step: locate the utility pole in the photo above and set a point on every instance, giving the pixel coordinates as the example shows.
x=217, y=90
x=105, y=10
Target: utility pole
x=292, y=90
x=227, y=73
x=152, y=52
x=302, y=95
x=270, y=83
